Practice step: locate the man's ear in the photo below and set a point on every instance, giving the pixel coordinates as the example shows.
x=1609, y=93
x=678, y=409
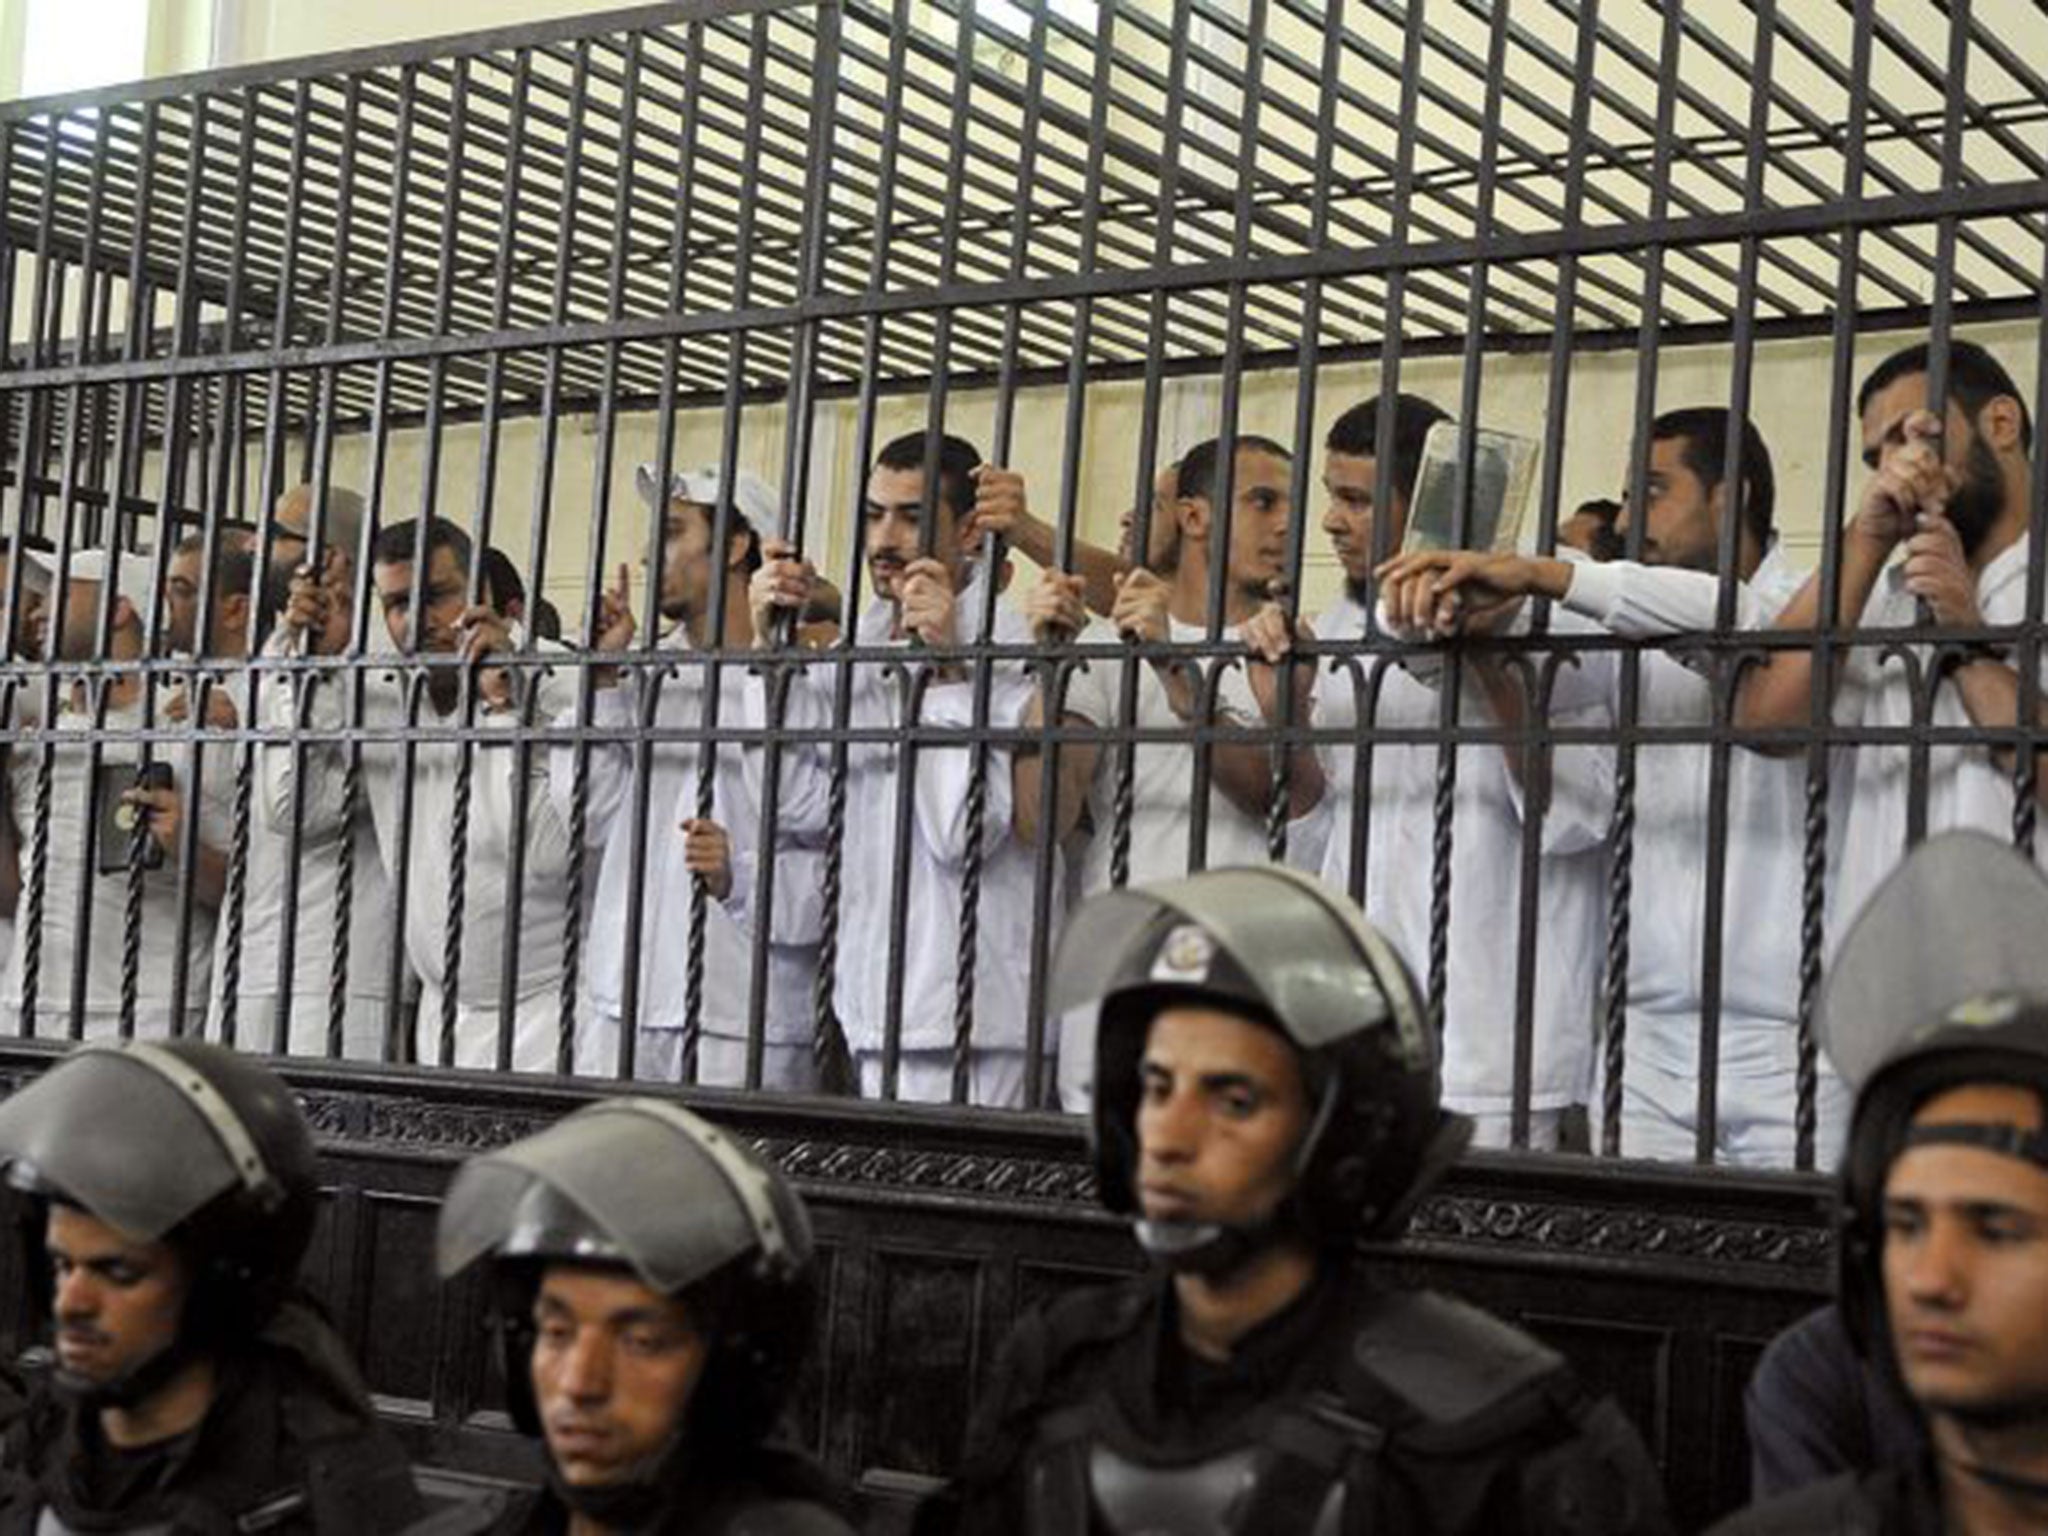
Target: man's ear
x=740, y=546
x=1192, y=514
x=1999, y=423
x=234, y=609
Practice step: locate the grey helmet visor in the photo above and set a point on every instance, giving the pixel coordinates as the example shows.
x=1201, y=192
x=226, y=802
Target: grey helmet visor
x=656, y=1189
x=132, y=1135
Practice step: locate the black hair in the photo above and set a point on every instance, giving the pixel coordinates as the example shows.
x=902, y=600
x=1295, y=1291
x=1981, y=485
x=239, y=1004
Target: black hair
x=501, y=584
x=1357, y=432
x=545, y=620
x=1704, y=431
x=1198, y=465
x=958, y=459
x=1975, y=379
x=399, y=543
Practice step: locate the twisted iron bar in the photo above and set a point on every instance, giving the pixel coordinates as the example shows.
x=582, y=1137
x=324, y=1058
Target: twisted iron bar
x=572, y=924
x=1620, y=889
x=458, y=898
x=1441, y=843
x=38, y=876
x=829, y=1050
x=1812, y=935
x=344, y=903
x=234, y=903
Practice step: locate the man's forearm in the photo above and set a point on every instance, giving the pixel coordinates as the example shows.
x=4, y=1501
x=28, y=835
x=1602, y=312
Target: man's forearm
x=1992, y=694
x=1777, y=692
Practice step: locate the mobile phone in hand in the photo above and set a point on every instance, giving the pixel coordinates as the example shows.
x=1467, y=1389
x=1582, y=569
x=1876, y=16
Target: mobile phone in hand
x=122, y=834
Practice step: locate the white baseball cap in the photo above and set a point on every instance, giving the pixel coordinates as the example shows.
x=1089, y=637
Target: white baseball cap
x=132, y=575
x=751, y=496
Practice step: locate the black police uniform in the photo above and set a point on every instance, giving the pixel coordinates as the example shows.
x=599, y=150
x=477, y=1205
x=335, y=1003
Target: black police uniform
x=1430, y=1416
x=1895, y=1501
x=767, y=1492
x=290, y=1444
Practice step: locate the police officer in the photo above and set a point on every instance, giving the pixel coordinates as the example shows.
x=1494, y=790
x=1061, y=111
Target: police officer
x=655, y=1299
x=1266, y=1100
x=1944, y=1251
x=189, y=1389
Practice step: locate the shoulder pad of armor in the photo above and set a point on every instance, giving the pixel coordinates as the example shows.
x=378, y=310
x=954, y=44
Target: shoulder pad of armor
x=787, y=1517
x=1452, y=1364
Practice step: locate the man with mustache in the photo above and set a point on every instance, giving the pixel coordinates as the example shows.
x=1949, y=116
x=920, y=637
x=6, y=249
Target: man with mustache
x=190, y=1388
x=1382, y=838
x=1942, y=1274
x=1690, y=494
x=929, y=592
x=1955, y=497
x=1265, y=1103
x=680, y=847
x=656, y=1299
x=419, y=844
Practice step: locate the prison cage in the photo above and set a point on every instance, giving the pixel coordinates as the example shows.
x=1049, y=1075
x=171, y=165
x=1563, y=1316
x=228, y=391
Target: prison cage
x=483, y=279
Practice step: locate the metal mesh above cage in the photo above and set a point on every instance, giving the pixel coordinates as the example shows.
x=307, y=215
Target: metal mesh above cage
x=1115, y=174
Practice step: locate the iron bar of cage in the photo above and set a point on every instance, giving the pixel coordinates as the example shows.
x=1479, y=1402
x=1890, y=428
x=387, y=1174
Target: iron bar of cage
x=1628, y=698
x=1222, y=503
x=1789, y=102
x=270, y=481
x=406, y=664
x=320, y=449
x=1727, y=545
x=574, y=155
x=231, y=915
x=1533, y=751
x=654, y=679
x=2026, y=762
x=604, y=459
x=1306, y=448
x=917, y=675
x=710, y=675
x=1941, y=325
x=796, y=470
x=176, y=461
x=1834, y=505
x=1055, y=680
x=1123, y=804
x=1964, y=205
x=992, y=555
x=829, y=1044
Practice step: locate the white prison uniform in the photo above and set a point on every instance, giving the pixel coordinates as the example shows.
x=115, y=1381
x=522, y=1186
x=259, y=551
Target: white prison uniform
x=72, y=857
x=1163, y=777
x=667, y=884
x=324, y=831
x=1965, y=787
x=1486, y=880
x=1162, y=800
x=1762, y=905
x=938, y=846
x=495, y=789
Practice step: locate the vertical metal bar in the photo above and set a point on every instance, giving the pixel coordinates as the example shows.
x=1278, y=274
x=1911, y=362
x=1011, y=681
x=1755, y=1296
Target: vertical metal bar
x=1073, y=436
x=1172, y=128
x=796, y=469
x=1834, y=502
x=829, y=1037
x=1706, y=1123
x=1621, y=837
x=1222, y=503
x=991, y=558
x=2026, y=766
x=652, y=679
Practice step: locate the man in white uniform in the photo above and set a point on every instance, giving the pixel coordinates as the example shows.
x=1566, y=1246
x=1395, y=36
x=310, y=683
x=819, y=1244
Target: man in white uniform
x=328, y=831
x=1955, y=499
x=70, y=829
x=1397, y=820
x=416, y=807
x=1675, y=590
x=679, y=847
x=933, y=599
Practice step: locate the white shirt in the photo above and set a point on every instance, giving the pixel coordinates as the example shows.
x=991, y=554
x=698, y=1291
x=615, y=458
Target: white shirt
x=667, y=884
x=1486, y=879
x=938, y=844
x=1965, y=788
x=1163, y=776
x=72, y=859
x=1764, y=844
x=323, y=833
x=495, y=789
